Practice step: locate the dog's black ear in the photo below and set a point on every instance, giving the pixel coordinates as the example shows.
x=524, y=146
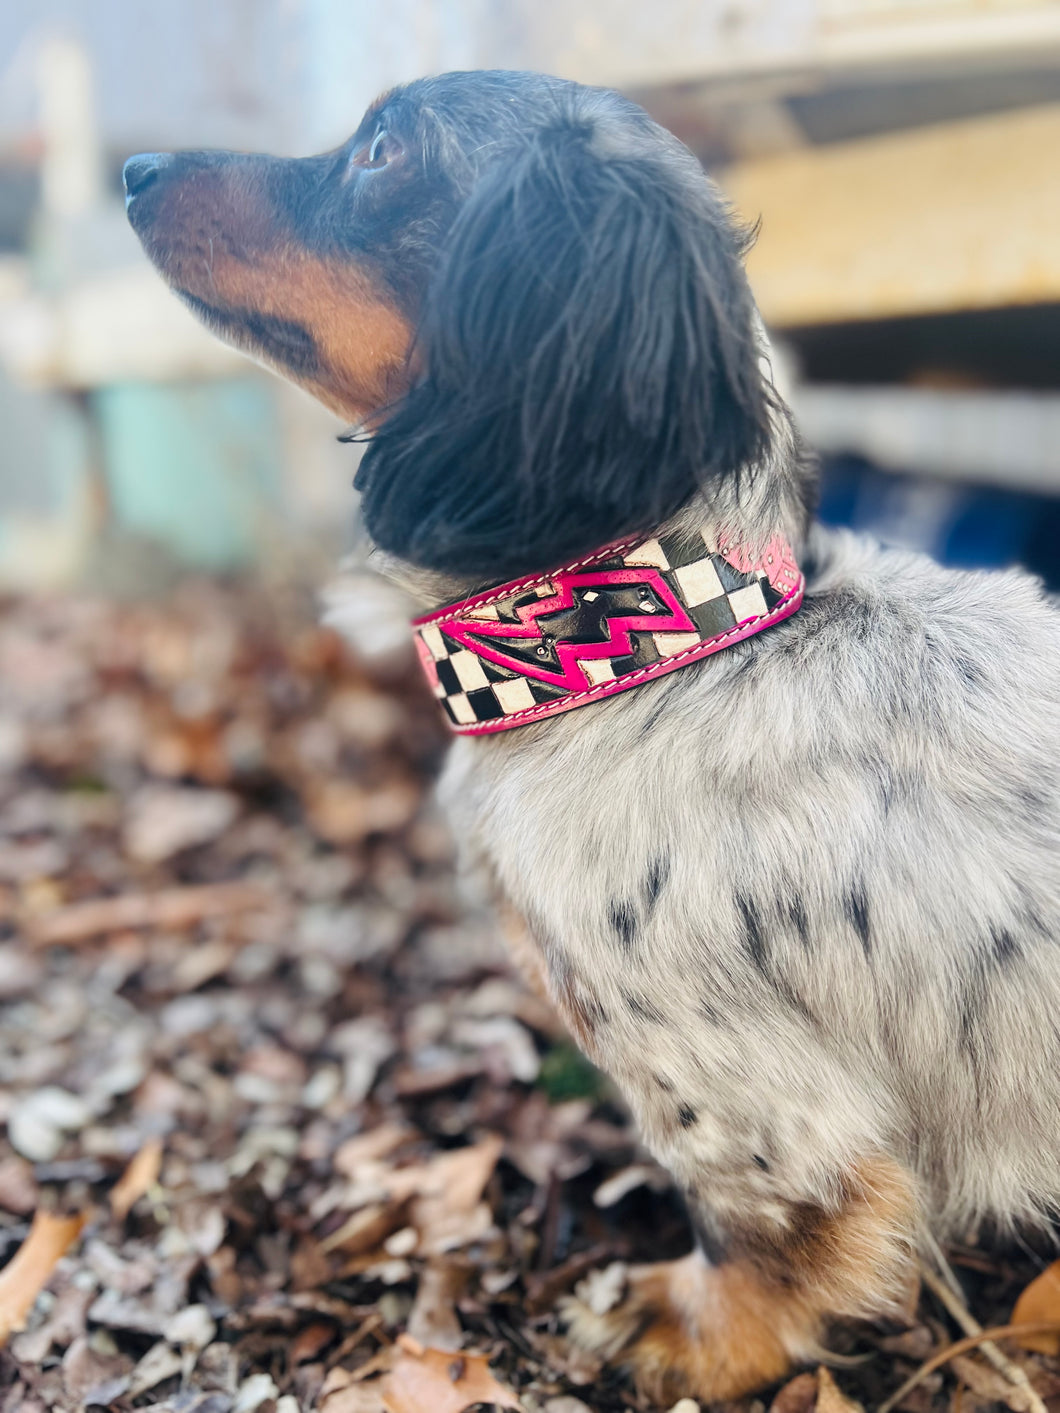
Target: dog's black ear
x=591, y=359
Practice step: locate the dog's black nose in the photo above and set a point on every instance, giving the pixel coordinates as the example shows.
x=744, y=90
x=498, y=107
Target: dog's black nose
x=140, y=171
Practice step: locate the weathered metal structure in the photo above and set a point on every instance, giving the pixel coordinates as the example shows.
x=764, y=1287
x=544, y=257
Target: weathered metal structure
x=899, y=155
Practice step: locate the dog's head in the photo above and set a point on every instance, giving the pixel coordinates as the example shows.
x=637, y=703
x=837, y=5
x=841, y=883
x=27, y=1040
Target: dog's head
x=528, y=290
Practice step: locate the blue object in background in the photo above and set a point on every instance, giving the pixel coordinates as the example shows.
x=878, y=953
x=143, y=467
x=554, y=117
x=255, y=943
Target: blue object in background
x=969, y=526
x=192, y=466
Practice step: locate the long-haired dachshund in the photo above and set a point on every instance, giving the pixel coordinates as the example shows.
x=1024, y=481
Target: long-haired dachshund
x=777, y=808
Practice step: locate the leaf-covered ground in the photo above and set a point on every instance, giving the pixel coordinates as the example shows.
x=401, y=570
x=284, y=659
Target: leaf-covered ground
x=287, y=1131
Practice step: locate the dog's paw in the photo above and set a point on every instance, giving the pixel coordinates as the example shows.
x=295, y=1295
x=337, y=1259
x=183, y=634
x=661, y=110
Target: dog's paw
x=599, y=1316
x=683, y=1328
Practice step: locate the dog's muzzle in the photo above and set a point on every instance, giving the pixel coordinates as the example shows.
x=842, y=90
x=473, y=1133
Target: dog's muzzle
x=621, y=616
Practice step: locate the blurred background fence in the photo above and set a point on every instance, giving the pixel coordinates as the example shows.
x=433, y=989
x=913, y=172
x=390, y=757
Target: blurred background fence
x=901, y=155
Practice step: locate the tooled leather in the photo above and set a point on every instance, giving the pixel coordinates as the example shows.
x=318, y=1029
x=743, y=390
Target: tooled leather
x=623, y=615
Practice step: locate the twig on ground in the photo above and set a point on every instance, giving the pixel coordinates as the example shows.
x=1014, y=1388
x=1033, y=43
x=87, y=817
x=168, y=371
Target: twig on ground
x=962, y=1346
x=168, y=908
x=946, y=1293
x=950, y=1295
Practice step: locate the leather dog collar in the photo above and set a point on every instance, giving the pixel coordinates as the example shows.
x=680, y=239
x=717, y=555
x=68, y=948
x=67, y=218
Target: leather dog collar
x=623, y=615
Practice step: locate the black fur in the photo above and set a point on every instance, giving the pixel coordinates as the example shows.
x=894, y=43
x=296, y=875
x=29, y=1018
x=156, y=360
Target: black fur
x=710, y=1013
x=1004, y=946
x=283, y=340
x=856, y=906
x=623, y=921
x=642, y=1009
x=589, y=346
x=658, y=877
x=585, y=342
x=799, y=920
x=710, y=1237
x=754, y=937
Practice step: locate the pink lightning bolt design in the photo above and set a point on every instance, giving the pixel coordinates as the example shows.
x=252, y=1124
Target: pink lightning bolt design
x=485, y=637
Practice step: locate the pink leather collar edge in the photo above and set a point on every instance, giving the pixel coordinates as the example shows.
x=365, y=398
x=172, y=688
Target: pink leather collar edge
x=470, y=618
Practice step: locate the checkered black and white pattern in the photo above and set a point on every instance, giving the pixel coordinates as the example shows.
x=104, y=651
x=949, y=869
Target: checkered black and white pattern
x=480, y=694
x=474, y=689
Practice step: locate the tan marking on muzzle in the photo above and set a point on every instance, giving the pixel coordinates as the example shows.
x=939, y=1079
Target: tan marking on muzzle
x=362, y=341
x=215, y=237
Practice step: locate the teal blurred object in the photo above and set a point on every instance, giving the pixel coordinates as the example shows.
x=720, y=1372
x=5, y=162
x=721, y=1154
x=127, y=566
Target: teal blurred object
x=192, y=466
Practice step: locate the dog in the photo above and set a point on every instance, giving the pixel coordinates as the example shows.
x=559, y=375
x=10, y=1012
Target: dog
x=776, y=808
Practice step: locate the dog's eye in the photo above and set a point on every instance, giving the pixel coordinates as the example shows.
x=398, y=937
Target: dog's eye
x=380, y=151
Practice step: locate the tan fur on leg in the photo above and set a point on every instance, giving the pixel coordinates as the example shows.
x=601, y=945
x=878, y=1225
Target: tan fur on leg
x=689, y=1328
x=686, y=1328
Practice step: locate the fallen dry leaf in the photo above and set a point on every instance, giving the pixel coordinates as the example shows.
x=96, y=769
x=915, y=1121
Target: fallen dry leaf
x=446, y=1199
x=309, y=1341
x=18, y=1187
x=829, y=1397
x=627, y=1180
x=158, y=1364
x=325, y=1034
x=345, y=813
x=441, y=1381
x=799, y=1395
x=26, y=1274
x=353, y=1398
x=447, y=1210
x=369, y=1147
x=366, y=1229
x=139, y=1177
x=164, y=820
x=459, y=1178
x=433, y=1319
x=990, y=1385
x=1040, y=1302
x=86, y=1372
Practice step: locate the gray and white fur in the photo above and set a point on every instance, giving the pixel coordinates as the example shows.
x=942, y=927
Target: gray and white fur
x=815, y=879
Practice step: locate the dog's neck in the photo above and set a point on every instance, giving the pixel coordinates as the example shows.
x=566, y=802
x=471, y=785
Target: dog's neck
x=717, y=519
x=751, y=526
x=750, y=509
x=604, y=623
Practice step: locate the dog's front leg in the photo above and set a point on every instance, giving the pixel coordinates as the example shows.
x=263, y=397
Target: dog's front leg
x=755, y=1298
x=775, y=1125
